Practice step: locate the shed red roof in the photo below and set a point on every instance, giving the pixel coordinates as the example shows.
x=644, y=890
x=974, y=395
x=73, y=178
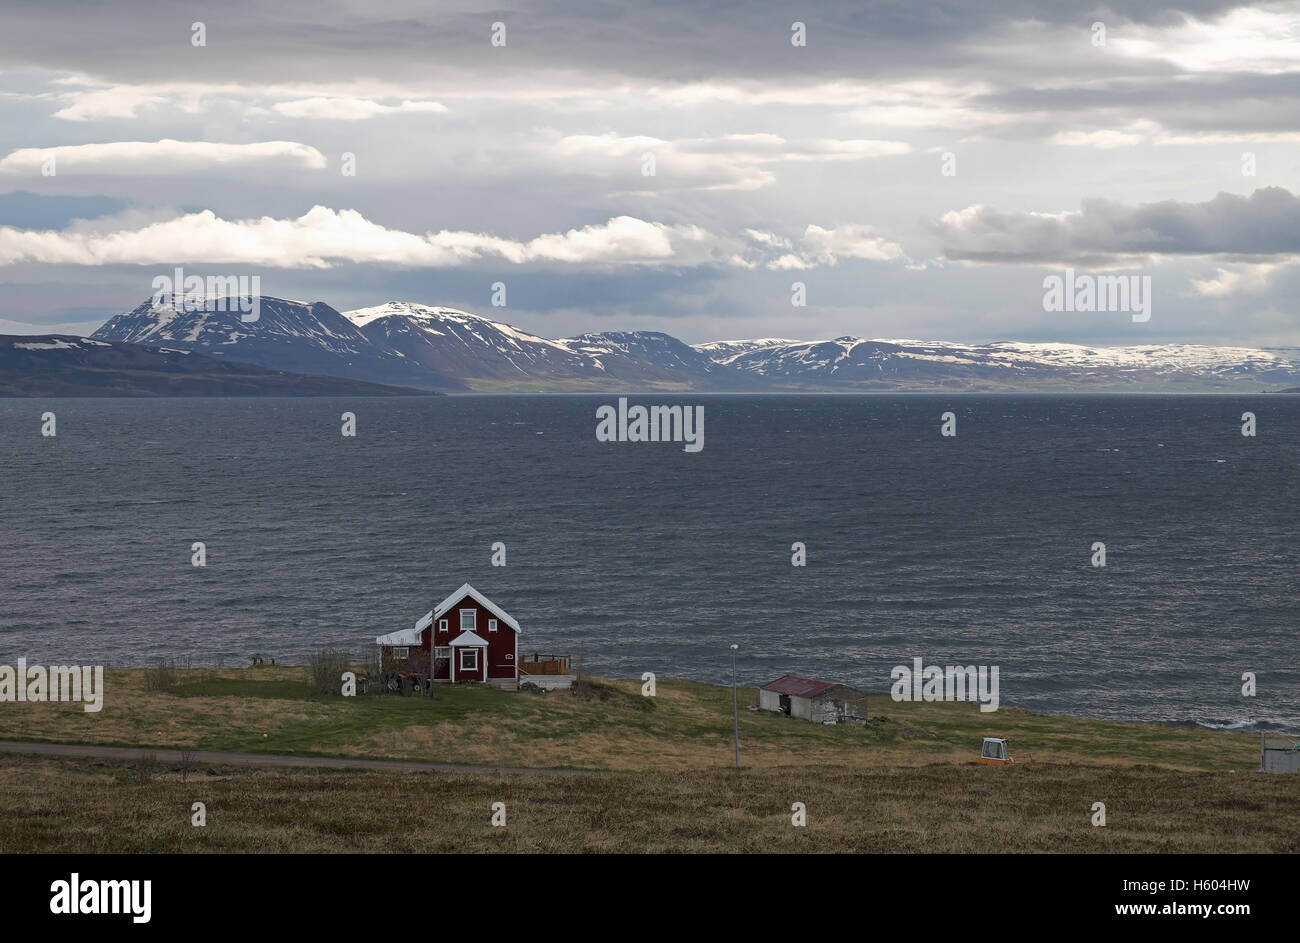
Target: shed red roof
x=797, y=686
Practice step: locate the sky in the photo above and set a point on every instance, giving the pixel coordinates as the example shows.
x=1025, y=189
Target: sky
x=919, y=168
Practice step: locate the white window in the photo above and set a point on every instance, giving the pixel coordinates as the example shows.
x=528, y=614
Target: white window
x=469, y=659
x=467, y=617
x=442, y=625
x=492, y=625
x=401, y=652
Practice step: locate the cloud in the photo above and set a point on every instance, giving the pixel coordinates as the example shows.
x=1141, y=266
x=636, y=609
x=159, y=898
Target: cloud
x=828, y=246
x=1104, y=139
x=351, y=109
x=117, y=102
x=747, y=131
x=770, y=239
x=931, y=103
x=819, y=246
x=764, y=148
x=623, y=239
x=725, y=162
x=1246, y=39
x=160, y=157
x=1241, y=137
x=323, y=237
x=1264, y=224
x=1243, y=279
x=88, y=98
x=666, y=42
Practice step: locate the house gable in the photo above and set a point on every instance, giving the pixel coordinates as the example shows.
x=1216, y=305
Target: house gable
x=455, y=600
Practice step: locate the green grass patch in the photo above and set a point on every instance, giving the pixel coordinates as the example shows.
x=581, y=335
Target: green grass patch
x=606, y=724
x=242, y=687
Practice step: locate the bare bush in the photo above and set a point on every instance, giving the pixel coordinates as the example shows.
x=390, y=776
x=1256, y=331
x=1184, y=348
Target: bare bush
x=325, y=674
x=161, y=674
x=371, y=663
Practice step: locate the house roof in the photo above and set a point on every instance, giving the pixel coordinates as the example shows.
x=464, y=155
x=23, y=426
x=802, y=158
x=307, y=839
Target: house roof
x=400, y=637
x=465, y=590
x=468, y=639
x=797, y=686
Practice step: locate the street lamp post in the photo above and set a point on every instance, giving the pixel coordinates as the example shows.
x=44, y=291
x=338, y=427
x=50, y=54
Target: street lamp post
x=735, y=704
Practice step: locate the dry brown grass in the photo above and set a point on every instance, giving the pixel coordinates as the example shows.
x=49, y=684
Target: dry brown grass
x=135, y=714
x=903, y=782
x=82, y=806
x=689, y=728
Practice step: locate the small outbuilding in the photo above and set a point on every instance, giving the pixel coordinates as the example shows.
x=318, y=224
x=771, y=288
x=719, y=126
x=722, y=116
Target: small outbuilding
x=1279, y=754
x=822, y=702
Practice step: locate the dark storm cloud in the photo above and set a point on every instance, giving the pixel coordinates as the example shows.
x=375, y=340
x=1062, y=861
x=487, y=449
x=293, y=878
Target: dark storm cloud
x=141, y=41
x=1231, y=102
x=1264, y=225
x=547, y=136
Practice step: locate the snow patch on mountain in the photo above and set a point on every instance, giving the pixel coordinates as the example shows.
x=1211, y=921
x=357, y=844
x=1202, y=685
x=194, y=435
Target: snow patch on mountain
x=431, y=318
x=724, y=351
x=765, y=356
x=287, y=335
x=55, y=344
x=443, y=348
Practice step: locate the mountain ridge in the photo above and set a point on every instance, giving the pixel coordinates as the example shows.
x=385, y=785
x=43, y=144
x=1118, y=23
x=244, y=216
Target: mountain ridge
x=39, y=365
x=434, y=347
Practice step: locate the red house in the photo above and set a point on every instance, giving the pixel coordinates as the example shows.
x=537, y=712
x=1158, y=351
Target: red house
x=467, y=637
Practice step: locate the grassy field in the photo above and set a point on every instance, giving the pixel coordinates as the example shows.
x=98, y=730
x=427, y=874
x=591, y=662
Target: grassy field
x=686, y=726
x=92, y=806
x=906, y=781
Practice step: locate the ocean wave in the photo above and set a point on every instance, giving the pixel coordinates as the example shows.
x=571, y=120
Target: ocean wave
x=1249, y=726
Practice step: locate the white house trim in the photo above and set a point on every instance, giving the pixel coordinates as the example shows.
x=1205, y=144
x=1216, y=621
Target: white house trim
x=466, y=640
x=466, y=590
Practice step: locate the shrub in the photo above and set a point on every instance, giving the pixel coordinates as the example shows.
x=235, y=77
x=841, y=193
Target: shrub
x=325, y=674
x=161, y=674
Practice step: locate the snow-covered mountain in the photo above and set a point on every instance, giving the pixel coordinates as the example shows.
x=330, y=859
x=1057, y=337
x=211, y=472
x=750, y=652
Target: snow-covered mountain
x=454, y=343
x=287, y=335
x=438, y=348
x=492, y=355
x=722, y=351
x=856, y=363
x=657, y=359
